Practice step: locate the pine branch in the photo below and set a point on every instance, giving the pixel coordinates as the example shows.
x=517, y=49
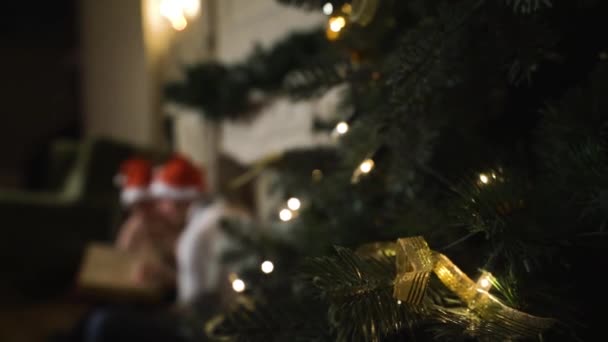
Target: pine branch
x=442, y=102
x=504, y=212
x=572, y=147
x=528, y=6
x=262, y=321
x=225, y=91
x=316, y=80
x=362, y=307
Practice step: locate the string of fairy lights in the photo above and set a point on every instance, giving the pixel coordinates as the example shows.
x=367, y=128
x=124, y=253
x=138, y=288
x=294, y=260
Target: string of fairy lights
x=336, y=23
x=238, y=284
x=411, y=282
x=293, y=204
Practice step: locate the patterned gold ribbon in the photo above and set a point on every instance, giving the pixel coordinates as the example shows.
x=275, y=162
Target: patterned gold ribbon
x=415, y=261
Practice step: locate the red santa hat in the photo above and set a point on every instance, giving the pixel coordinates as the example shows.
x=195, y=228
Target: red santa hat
x=134, y=178
x=178, y=179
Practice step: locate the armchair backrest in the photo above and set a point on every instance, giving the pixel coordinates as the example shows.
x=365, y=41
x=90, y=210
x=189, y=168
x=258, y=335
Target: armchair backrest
x=98, y=161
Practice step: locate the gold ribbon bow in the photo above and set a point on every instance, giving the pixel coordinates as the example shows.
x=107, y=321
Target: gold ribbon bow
x=415, y=261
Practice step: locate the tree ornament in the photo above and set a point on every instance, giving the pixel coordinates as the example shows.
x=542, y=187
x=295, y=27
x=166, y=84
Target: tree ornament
x=363, y=11
x=415, y=262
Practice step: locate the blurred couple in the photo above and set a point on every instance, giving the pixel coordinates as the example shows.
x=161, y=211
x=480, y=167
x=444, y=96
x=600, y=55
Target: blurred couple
x=174, y=225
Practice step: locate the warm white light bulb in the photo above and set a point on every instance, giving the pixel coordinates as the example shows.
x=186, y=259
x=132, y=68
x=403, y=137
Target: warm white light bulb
x=179, y=23
x=285, y=215
x=398, y=302
x=366, y=166
x=293, y=203
x=238, y=285
x=169, y=9
x=176, y=11
x=342, y=127
x=483, y=178
x=328, y=8
x=190, y=7
x=267, y=267
x=337, y=23
x=485, y=282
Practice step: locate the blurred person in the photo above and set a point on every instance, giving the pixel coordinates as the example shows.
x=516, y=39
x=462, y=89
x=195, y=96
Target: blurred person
x=175, y=187
x=157, y=201
x=150, y=239
x=180, y=194
x=134, y=179
x=203, y=282
x=144, y=232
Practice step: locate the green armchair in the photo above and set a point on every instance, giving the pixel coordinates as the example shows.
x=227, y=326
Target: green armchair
x=44, y=234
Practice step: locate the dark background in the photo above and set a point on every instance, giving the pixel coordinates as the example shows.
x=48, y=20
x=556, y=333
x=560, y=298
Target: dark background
x=39, y=87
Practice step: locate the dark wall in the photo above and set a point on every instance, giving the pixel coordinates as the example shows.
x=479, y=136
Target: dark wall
x=39, y=86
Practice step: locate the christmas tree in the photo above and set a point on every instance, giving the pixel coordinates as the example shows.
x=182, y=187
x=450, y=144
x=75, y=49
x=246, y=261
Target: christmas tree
x=466, y=198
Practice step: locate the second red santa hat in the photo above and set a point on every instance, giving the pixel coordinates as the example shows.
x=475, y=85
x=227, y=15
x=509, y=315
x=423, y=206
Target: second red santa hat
x=178, y=179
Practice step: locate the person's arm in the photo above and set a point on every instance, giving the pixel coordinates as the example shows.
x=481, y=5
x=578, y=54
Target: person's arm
x=129, y=235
